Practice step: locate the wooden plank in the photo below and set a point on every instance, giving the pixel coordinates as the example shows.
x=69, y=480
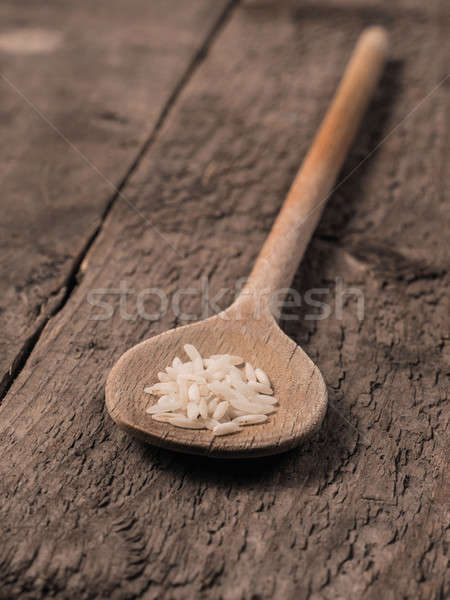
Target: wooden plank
x=100, y=76
x=359, y=511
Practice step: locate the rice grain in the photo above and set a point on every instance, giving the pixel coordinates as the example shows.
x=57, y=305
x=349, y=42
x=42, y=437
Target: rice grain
x=219, y=393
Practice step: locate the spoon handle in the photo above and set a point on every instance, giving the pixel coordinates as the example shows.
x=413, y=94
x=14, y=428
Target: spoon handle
x=312, y=186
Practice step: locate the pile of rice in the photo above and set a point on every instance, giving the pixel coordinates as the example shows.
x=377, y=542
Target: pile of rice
x=212, y=393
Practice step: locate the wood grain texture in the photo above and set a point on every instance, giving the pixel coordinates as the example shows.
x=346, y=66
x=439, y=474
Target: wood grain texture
x=361, y=510
x=102, y=76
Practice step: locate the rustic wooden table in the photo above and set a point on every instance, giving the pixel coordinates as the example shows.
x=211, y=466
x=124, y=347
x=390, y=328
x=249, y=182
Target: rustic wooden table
x=139, y=141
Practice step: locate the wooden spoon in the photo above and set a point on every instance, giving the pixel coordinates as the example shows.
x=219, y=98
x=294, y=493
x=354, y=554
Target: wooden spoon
x=248, y=328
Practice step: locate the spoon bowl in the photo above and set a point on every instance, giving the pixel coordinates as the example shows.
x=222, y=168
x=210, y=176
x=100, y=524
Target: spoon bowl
x=296, y=381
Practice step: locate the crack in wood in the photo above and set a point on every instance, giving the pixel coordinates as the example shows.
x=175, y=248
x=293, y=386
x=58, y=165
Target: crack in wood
x=70, y=283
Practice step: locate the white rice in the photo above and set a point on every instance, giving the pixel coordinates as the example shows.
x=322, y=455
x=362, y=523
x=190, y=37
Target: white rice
x=221, y=410
x=250, y=419
x=249, y=372
x=212, y=393
x=262, y=377
x=225, y=428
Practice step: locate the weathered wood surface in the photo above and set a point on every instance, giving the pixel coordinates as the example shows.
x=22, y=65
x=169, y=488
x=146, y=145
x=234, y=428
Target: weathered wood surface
x=359, y=511
x=102, y=75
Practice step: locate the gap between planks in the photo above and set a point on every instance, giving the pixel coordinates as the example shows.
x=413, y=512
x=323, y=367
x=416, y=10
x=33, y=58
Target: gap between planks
x=70, y=281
